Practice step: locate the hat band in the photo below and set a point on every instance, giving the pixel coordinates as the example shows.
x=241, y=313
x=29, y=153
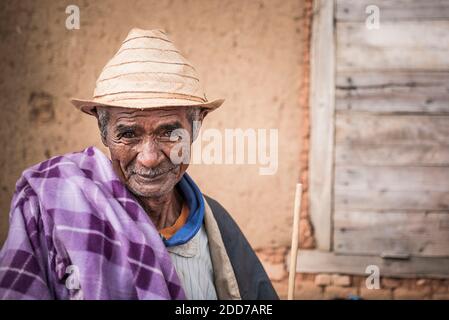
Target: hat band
x=139, y=95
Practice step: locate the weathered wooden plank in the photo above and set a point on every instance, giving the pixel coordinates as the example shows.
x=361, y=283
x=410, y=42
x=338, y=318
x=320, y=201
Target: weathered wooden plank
x=391, y=188
x=314, y=261
x=417, y=10
x=373, y=139
x=389, y=154
x=416, y=79
x=391, y=233
x=363, y=128
x=390, y=200
x=393, y=91
x=394, y=178
x=378, y=78
x=322, y=121
x=395, y=46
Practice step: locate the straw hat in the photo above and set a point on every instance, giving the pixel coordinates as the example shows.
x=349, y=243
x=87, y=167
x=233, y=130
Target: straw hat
x=147, y=72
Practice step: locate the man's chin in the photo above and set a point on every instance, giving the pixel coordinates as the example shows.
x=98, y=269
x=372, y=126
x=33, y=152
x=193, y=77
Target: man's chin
x=148, y=189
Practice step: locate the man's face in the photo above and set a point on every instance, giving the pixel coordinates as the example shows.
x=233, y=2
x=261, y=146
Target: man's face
x=140, y=146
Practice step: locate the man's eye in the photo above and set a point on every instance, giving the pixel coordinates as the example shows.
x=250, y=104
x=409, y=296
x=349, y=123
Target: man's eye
x=167, y=133
x=128, y=134
x=171, y=135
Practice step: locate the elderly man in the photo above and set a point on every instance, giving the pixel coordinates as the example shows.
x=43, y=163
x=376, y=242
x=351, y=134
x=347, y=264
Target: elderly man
x=135, y=226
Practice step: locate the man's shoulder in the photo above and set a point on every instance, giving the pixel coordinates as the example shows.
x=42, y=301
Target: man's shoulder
x=85, y=161
x=58, y=160
x=224, y=219
x=215, y=204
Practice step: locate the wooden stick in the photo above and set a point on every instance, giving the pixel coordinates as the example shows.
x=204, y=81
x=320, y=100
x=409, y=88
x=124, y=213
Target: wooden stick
x=295, y=240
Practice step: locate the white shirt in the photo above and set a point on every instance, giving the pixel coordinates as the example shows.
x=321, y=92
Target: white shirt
x=194, y=267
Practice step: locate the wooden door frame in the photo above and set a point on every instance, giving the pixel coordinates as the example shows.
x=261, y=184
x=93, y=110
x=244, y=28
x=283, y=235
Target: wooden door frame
x=322, y=124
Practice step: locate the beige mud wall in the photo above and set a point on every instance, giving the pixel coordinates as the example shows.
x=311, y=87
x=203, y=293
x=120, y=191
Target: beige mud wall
x=247, y=52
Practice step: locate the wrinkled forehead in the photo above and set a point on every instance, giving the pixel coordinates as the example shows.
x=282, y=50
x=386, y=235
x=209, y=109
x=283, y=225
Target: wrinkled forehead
x=147, y=116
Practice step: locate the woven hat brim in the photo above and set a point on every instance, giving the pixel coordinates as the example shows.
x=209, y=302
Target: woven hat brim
x=88, y=106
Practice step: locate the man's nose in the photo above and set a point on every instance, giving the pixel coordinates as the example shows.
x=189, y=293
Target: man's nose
x=148, y=156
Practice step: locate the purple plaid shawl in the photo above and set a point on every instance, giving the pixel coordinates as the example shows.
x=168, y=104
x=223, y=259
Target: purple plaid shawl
x=77, y=232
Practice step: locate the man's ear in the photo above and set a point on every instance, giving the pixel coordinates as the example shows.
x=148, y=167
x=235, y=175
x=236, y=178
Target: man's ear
x=203, y=114
x=95, y=114
x=198, y=123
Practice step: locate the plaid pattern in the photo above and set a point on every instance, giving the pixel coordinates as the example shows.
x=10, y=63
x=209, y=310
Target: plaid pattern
x=72, y=213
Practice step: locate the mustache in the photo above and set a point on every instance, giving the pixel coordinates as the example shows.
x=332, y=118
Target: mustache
x=152, y=172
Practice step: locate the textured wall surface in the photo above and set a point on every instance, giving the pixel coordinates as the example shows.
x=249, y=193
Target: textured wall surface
x=248, y=52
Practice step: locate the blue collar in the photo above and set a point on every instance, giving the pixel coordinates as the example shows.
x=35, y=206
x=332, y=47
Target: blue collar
x=194, y=198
